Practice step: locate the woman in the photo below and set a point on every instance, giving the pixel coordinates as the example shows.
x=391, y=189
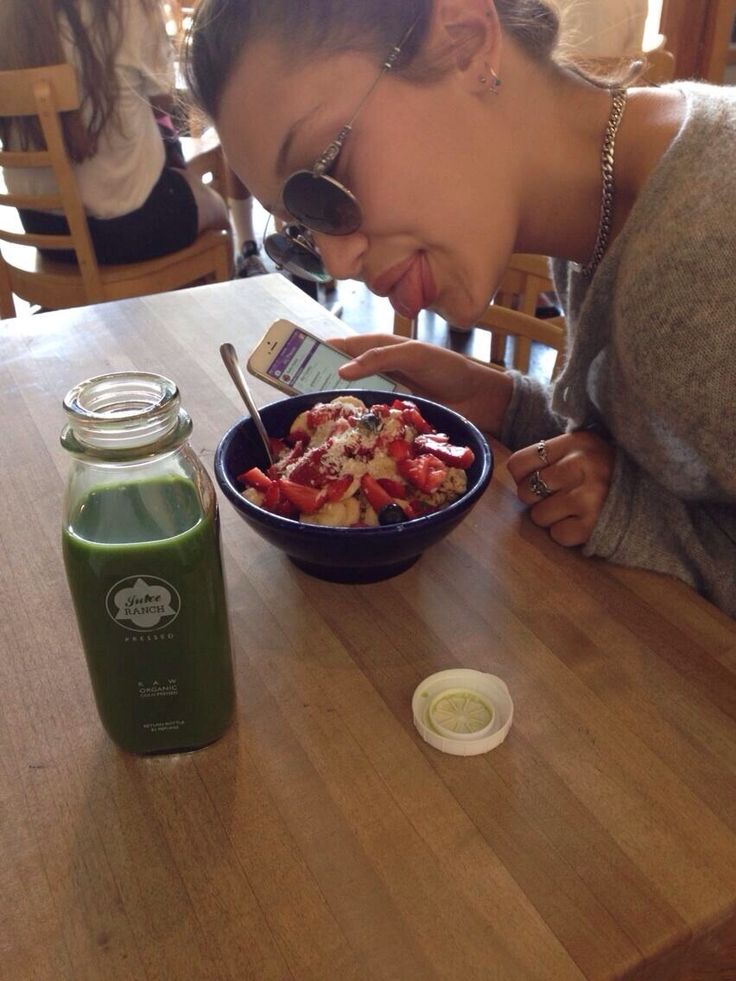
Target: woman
x=138, y=206
x=476, y=143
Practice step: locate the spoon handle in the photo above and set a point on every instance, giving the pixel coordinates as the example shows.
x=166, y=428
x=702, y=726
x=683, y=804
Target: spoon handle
x=230, y=357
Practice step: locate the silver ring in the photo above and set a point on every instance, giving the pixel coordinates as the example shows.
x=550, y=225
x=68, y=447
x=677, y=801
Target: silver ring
x=538, y=486
x=542, y=452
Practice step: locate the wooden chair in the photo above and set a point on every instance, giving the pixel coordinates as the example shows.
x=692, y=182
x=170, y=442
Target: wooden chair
x=45, y=93
x=659, y=67
x=504, y=323
x=206, y=160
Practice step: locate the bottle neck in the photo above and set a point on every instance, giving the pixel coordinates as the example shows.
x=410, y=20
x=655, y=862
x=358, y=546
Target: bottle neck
x=124, y=415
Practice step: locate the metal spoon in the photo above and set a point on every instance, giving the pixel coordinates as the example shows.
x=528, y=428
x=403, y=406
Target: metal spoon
x=230, y=357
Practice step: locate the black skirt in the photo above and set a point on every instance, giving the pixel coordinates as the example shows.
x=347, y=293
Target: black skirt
x=164, y=223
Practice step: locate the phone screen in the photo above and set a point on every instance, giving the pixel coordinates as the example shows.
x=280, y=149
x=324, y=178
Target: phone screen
x=309, y=365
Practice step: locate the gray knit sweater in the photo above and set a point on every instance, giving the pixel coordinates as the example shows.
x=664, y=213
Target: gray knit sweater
x=652, y=361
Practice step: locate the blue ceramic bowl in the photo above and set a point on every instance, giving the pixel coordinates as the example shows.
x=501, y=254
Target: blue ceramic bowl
x=350, y=555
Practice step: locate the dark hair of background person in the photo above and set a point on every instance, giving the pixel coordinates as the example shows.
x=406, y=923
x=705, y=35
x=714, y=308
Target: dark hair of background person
x=30, y=38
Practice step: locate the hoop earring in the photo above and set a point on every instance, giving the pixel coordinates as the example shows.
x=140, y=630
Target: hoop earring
x=496, y=82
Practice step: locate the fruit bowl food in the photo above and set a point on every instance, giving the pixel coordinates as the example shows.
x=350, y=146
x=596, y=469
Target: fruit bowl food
x=386, y=521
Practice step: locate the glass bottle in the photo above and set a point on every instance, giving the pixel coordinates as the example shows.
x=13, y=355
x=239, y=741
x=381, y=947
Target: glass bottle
x=141, y=544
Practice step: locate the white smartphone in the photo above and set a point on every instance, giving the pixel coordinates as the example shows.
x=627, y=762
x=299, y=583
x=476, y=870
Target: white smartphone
x=297, y=362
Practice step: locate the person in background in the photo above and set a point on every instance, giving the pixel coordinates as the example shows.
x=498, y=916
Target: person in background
x=138, y=206
x=416, y=145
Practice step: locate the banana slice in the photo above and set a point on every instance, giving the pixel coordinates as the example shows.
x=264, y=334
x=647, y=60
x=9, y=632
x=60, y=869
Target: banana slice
x=336, y=513
x=300, y=424
x=351, y=401
x=351, y=491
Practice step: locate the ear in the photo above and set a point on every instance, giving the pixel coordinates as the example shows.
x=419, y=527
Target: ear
x=467, y=36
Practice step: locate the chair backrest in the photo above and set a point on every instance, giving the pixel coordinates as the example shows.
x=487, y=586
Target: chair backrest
x=526, y=281
x=503, y=323
x=45, y=93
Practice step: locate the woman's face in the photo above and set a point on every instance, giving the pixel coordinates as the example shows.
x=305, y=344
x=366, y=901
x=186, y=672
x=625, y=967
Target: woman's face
x=433, y=178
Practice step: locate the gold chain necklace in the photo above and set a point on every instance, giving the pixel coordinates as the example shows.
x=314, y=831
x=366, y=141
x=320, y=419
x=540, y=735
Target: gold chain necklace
x=618, y=104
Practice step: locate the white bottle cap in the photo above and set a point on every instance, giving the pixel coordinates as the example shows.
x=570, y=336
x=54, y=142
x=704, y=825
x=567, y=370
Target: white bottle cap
x=462, y=711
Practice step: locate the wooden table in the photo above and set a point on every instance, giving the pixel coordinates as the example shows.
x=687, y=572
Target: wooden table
x=321, y=838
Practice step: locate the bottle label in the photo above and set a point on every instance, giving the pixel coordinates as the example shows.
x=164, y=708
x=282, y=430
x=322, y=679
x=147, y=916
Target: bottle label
x=143, y=603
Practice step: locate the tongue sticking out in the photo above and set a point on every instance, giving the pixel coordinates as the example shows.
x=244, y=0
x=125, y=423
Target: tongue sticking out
x=414, y=290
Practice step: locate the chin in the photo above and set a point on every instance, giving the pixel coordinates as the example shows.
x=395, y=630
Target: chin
x=461, y=311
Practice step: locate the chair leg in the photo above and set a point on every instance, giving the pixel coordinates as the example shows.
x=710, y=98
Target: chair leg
x=498, y=349
x=7, y=304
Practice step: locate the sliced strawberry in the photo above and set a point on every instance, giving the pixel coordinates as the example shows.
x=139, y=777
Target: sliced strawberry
x=255, y=477
x=326, y=411
x=413, y=417
x=308, y=471
x=297, y=436
x=276, y=502
x=453, y=456
x=376, y=496
x=393, y=487
x=399, y=449
x=380, y=410
x=425, y=472
x=278, y=446
x=306, y=500
x=336, y=489
x=416, y=509
x=273, y=496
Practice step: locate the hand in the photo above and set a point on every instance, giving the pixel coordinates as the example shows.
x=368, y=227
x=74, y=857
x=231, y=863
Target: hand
x=578, y=476
x=479, y=393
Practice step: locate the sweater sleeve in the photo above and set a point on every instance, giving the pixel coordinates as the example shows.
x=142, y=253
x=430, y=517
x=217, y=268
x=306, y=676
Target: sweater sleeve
x=529, y=417
x=642, y=524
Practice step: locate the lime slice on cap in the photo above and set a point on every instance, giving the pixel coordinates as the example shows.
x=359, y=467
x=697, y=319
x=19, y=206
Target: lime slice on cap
x=460, y=712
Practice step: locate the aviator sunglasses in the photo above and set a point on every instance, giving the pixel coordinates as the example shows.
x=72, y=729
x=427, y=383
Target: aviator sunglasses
x=318, y=202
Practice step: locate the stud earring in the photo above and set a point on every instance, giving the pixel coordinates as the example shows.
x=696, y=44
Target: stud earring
x=493, y=82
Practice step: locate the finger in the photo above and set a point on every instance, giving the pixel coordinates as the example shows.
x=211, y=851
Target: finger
x=356, y=344
x=550, y=510
x=564, y=476
x=524, y=462
x=555, y=513
x=392, y=358
x=570, y=532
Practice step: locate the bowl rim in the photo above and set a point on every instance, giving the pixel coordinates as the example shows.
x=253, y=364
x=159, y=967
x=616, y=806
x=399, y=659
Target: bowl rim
x=247, y=508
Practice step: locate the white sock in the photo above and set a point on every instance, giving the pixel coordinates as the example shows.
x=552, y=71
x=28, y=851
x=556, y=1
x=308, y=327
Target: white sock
x=241, y=217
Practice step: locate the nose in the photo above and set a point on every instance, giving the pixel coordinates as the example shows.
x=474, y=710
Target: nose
x=342, y=255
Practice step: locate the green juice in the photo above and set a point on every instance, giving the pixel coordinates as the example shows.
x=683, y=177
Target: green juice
x=145, y=572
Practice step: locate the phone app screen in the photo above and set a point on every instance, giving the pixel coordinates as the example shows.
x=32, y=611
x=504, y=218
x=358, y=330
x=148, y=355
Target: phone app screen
x=311, y=366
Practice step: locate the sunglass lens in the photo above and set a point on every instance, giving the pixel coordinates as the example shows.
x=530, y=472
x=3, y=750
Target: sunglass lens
x=294, y=258
x=321, y=203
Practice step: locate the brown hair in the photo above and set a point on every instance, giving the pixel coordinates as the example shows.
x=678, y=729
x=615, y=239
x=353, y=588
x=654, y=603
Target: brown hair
x=221, y=30
x=30, y=38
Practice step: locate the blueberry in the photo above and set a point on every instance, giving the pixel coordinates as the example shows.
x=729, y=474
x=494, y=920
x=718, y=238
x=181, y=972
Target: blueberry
x=391, y=514
x=369, y=421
